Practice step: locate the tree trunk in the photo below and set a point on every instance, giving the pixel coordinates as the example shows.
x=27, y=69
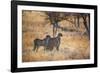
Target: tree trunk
x=78, y=21
x=86, y=26
x=55, y=28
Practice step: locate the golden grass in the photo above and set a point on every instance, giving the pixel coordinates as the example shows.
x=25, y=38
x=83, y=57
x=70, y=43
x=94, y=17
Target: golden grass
x=73, y=45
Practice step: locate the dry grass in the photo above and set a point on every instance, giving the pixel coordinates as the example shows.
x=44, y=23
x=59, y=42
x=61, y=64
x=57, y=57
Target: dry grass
x=73, y=44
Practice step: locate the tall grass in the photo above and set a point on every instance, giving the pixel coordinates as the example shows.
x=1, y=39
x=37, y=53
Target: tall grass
x=73, y=45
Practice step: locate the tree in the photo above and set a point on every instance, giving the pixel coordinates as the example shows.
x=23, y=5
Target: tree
x=86, y=23
x=54, y=18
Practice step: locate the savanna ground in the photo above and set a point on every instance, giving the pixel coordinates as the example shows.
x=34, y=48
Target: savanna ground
x=74, y=44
